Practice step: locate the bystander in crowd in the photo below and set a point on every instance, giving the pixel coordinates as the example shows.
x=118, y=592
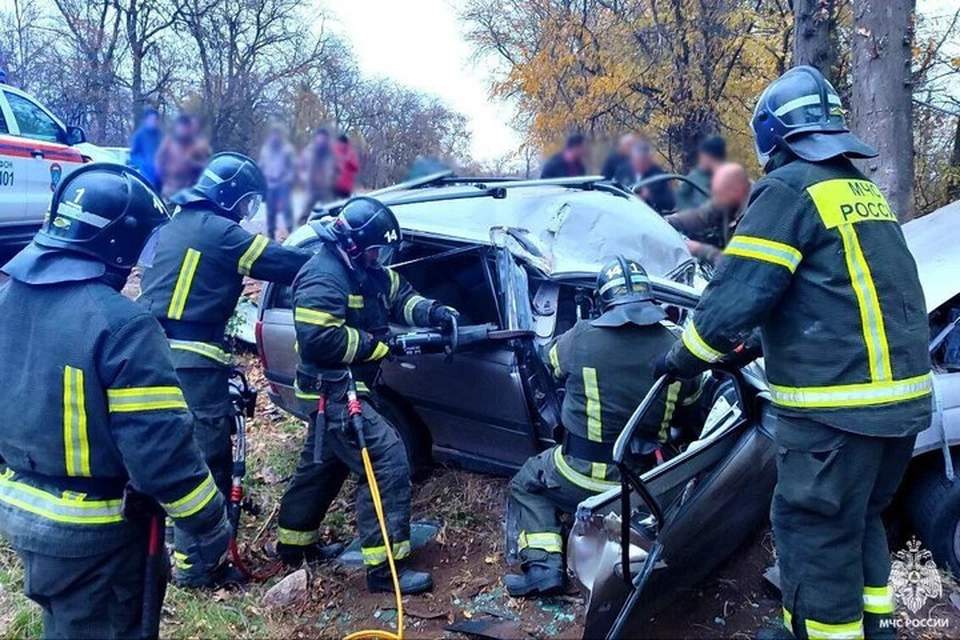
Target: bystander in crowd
x=278, y=161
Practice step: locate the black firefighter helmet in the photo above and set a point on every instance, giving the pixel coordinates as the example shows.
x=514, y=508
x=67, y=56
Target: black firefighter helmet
x=101, y=216
x=232, y=183
x=367, y=230
x=625, y=297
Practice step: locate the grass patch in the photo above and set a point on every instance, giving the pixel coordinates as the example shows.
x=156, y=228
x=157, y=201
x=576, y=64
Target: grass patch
x=19, y=616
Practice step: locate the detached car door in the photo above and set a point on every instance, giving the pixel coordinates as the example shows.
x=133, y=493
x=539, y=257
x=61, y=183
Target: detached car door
x=707, y=501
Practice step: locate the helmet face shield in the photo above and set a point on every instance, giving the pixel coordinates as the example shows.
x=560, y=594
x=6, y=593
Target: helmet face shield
x=149, y=251
x=250, y=205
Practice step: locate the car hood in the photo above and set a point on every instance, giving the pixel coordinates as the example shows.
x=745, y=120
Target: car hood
x=933, y=240
x=575, y=231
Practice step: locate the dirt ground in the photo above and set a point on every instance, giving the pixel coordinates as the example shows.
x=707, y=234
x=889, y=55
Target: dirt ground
x=466, y=560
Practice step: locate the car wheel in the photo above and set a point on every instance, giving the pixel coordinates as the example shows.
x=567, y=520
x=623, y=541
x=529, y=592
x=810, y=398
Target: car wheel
x=933, y=511
x=415, y=438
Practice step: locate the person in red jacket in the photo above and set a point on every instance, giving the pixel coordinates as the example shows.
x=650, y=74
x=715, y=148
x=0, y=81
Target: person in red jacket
x=347, y=166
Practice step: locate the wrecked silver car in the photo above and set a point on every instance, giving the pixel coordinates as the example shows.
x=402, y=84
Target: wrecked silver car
x=687, y=516
x=519, y=257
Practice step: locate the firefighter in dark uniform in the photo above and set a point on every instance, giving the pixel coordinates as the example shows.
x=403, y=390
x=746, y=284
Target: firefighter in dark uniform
x=192, y=287
x=91, y=404
x=820, y=264
x=607, y=365
x=344, y=300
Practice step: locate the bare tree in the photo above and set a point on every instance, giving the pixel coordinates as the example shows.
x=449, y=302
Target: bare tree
x=882, y=95
x=144, y=24
x=246, y=52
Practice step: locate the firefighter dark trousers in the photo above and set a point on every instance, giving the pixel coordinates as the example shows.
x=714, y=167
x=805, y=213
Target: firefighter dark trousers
x=544, y=487
x=98, y=596
x=832, y=549
x=316, y=484
x=206, y=392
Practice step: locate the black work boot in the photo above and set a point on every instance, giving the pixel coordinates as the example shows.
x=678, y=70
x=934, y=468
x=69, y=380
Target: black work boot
x=294, y=555
x=380, y=580
x=540, y=577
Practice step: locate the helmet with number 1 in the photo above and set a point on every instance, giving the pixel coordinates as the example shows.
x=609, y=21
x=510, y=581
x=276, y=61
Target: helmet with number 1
x=625, y=295
x=802, y=112
x=232, y=183
x=367, y=230
x=101, y=216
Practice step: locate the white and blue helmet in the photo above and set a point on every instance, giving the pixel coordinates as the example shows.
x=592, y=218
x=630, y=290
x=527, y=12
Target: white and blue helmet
x=802, y=112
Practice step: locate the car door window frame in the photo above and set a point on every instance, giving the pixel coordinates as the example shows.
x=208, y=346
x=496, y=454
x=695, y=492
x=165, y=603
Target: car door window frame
x=11, y=98
x=10, y=124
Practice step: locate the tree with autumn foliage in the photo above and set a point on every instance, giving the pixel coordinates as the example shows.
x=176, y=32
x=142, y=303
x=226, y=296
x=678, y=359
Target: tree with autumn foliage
x=679, y=70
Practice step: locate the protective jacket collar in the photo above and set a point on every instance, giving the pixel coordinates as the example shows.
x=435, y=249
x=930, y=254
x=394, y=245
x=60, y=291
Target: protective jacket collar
x=42, y=265
x=640, y=313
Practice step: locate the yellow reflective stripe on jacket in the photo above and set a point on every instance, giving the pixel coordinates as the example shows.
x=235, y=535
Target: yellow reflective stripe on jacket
x=205, y=349
x=554, y=356
x=145, y=399
x=69, y=508
x=696, y=345
x=871, y=317
x=251, y=254
x=548, y=541
x=577, y=478
x=591, y=390
x=75, y=441
x=373, y=556
x=764, y=250
x=669, y=407
x=353, y=341
x=319, y=318
x=188, y=269
x=379, y=351
x=193, y=501
x=355, y=302
x=362, y=387
x=394, y=284
x=878, y=600
x=410, y=306
x=852, y=395
x=297, y=538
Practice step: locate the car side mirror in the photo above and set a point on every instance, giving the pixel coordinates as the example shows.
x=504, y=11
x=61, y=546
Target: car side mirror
x=75, y=135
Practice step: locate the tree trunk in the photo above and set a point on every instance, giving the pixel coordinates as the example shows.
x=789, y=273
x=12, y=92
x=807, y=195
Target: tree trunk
x=882, y=95
x=953, y=187
x=813, y=34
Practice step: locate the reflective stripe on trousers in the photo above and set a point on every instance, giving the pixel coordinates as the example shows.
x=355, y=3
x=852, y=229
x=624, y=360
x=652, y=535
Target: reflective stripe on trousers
x=878, y=600
x=296, y=538
x=373, y=556
x=546, y=541
x=826, y=631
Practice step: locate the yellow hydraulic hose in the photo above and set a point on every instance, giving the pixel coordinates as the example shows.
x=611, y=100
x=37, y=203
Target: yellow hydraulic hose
x=378, y=506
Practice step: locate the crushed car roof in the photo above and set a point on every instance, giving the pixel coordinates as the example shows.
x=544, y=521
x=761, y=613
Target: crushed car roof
x=577, y=231
x=933, y=240
x=575, y=228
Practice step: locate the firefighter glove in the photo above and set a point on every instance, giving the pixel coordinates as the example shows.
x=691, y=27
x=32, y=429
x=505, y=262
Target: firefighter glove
x=441, y=315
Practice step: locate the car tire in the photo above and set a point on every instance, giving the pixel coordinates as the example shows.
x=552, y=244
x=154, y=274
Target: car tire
x=415, y=438
x=933, y=511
